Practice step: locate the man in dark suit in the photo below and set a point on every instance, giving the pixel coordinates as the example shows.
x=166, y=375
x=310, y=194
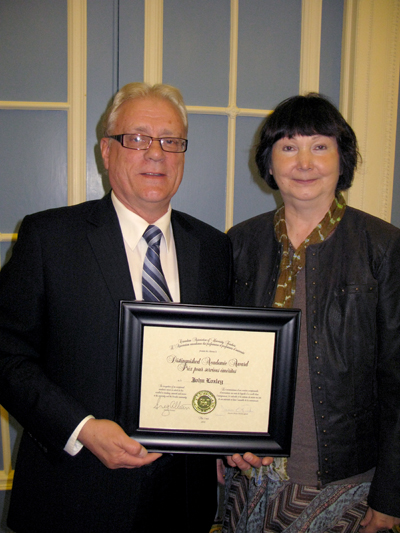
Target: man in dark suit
x=77, y=470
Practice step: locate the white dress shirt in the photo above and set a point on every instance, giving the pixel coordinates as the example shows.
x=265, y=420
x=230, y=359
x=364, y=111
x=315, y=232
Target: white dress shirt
x=132, y=227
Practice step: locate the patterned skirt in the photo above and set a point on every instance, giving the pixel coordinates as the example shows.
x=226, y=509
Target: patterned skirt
x=282, y=506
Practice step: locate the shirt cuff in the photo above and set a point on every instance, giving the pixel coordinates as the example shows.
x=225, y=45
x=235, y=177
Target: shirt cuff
x=73, y=445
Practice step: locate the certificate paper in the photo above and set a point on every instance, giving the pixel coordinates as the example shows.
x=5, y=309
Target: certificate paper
x=204, y=379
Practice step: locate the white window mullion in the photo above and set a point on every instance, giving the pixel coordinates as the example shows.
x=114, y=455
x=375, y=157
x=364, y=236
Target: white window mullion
x=77, y=89
x=311, y=17
x=153, y=41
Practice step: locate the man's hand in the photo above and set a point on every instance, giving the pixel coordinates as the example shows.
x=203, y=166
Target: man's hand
x=248, y=460
x=109, y=443
x=375, y=521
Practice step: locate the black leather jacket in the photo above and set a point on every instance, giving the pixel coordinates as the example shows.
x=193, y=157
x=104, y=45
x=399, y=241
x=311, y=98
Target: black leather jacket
x=353, y=322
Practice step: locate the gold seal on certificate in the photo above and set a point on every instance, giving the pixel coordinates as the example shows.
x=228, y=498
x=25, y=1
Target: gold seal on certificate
x=204, y=402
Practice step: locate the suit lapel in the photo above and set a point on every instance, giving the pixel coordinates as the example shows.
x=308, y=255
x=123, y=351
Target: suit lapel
x=106, y=240
x=188, y=255
x=105, y=237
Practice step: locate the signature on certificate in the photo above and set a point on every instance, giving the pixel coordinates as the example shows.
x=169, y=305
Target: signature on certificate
x=243, y=410
x=174, y=405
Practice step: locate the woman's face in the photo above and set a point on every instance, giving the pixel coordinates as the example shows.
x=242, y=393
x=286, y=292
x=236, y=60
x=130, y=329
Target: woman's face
x=306, y=168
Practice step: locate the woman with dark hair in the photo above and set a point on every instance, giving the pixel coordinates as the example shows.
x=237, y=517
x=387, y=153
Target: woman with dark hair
x=340, y=266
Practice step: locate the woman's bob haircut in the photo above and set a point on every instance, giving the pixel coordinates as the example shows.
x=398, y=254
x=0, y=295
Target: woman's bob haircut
x=312, y=114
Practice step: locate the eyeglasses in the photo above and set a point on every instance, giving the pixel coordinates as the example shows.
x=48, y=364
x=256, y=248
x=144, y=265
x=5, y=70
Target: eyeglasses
x=137, y=141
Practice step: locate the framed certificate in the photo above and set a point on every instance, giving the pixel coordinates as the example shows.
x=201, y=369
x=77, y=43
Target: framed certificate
x=213, y=380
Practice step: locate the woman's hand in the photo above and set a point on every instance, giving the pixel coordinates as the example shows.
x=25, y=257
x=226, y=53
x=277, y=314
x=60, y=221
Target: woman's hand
x=248, y=460
x=375, y=521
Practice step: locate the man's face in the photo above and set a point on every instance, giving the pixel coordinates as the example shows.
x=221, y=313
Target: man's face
x=145, y=180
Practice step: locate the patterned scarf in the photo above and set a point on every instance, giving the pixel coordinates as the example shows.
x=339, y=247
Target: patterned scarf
x=290, y=266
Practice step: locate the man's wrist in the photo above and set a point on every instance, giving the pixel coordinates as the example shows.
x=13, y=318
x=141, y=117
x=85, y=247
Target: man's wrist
x=73, y=445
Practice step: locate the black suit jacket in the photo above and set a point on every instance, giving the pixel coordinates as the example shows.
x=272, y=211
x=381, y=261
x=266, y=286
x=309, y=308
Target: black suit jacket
x=59, y=308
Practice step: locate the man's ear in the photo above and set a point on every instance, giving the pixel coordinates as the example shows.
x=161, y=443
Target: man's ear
x=105, y=151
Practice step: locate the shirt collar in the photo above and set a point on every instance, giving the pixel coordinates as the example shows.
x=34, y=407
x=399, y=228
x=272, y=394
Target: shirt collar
x=133, y=226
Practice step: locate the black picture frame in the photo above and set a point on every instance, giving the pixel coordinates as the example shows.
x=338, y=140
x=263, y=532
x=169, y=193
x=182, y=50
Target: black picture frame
x=135, y=317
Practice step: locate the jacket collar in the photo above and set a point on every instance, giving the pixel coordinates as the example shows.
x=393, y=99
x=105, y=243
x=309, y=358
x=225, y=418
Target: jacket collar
x=188, y=254
x=105, y=237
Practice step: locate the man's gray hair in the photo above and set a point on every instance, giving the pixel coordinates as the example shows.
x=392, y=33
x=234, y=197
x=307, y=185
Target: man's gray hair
x=135, y=90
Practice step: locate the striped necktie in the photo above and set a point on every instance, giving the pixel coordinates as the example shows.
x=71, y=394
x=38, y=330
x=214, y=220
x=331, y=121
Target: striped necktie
x=154, y=285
